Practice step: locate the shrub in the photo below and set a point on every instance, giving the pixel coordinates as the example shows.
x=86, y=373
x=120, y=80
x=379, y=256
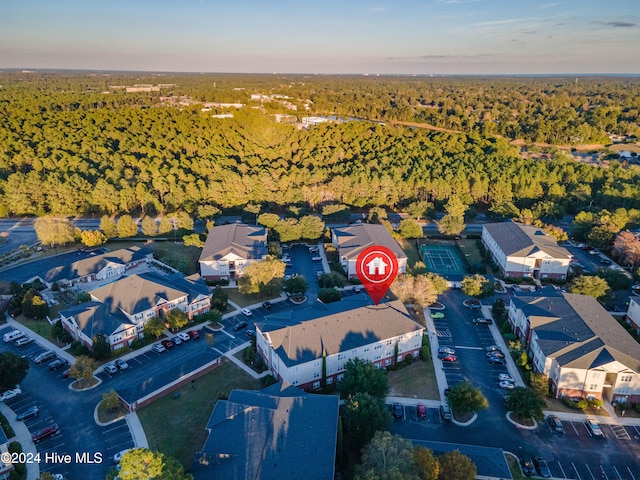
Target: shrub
x=425, y=354
x=4, y=423
x=329, y=295
x=578, y=405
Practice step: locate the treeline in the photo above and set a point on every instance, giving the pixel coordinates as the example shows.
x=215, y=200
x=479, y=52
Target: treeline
x=68, y=149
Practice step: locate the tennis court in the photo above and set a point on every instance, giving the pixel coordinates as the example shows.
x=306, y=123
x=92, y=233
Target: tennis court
x=442, y=259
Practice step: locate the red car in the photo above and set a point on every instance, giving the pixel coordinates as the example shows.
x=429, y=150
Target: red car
x=449, y=358
x=44, y=433
x=167, y=344
x=422, y=411
x=194, y=334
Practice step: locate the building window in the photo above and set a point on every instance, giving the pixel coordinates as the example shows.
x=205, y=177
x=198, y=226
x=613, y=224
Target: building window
x=626, y=378
x=389, y=342
x=387, y=362
x=377, y=365
x=329, y=380
x=316, y=385
x=593, y=386
x=341, y=356
x=316, y=375
x=340, y=376
x=366, y=349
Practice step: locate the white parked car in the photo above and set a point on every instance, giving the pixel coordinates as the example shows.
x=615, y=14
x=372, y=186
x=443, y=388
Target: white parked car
x=246, y=312
x=316, y=258
x=10, y=394
x=158, y=348
x=184, y=336
x=111, y=368
x=118, y=456
x=507, y=385
x=505, y=377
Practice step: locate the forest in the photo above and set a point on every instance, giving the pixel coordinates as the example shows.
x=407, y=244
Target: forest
x=72, y=145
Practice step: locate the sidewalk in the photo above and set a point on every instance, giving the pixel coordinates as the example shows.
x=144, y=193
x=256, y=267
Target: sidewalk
x=24, y=437
x=61, y=353
x=137, y=432
x=581, y=417
x=437, y=363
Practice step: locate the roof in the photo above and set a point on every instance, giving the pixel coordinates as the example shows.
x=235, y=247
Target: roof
x=135, y=294
x=275, y=433
x=339, y=332
x=519, y=240
x=192, y=285
x=355, y=238
x=577, y=330
x=245, y=241
x=95, y=317
x=95, y=263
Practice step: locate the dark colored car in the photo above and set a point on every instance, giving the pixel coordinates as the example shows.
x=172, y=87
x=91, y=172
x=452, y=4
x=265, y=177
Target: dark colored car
x=167, y=344
x=495, y=353
x=28, y=413
x=194, y=334
x=496, y=360
x=527, y=466
x=541, y=467
x=398, y=411
x=45, y=433
x=66, y=373
x=57, y=364
x=250, y=333
x=492, y=348
x=240, y=326
x=482, y=321
x=421, y=411
x=555, y=424
x=266, y=305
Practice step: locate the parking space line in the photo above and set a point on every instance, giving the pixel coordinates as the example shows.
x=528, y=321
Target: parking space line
x=576, y=470
x=631, y=473
x=617, y=473
x=574, y=428
x=589, y=470
x=562, y=470
x=604, y=474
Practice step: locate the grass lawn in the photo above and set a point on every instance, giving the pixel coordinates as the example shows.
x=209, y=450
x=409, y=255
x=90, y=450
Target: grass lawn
x=418, y=380
x=243, y=300
x=176, y=426
x=412, y=252
x=177, y=256
x=41, y=327
x=470, y=251
x=105, y=415
x=516, y=473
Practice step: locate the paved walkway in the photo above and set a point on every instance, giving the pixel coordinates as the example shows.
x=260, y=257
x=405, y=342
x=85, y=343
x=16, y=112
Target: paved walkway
x=24, y=437
x=137, y=432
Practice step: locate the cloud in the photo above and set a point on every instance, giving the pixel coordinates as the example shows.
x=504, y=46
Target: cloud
x=617, y=24
x=529, y=32
x=453, y=2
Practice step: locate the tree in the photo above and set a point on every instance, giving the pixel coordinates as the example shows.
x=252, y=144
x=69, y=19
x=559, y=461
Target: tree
x=616, y=279
x=33, y=306
x=176, y=319
x=418, y=209
x=154, y=327
x=13, y=369
x=428, y=464
x=253, y=208
x=110, y=400
x=539, y=383
x=450, y=225
x=477, y=286
x=439, y=283
x=417, y=289
x=193, y=240
x=83, y=369
x=361, y=376
x=526, y=403
x=296, y=285
x=149, y=226
x=127, y=227
x=93, y=238
x=311, y=227
x=331, y=279
x=628, y=247
x=108, y=226
x=54, y=230
x=100, y=348
x=141, y=463
x=268, y=220
x=329, y=295
x=364, y=415
x=181, y=221
x=288, y=229
x=262, y=277
x=219, y=299
x=595, y=287
x=456, y=466
x=409, y=228
x=387, y=457
x=464, y=398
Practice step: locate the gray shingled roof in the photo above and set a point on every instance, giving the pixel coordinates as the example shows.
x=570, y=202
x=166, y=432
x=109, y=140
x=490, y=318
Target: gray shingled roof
x=248, y=242
x=95, y=263
x=577, y=330
x=355, y=238
x=135, y=294
x=340, y=332
x=275, y=433
x=192, y=286
x=516, y=239
x=95, y=317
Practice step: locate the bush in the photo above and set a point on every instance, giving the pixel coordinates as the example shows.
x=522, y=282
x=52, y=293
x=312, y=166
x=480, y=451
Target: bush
x=329, y=295
x=425, y=354
x=572, y=403
x=77, y=349
x=4, y=423
x=20, y=472
x=137, y=343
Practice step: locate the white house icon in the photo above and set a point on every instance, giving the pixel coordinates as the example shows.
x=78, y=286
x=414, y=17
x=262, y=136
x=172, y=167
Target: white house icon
x=377, y=264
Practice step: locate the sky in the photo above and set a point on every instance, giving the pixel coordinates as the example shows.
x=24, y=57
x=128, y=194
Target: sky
x=424, y=37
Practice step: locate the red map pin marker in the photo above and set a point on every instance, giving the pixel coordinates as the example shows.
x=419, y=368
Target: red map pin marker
x=377, y=268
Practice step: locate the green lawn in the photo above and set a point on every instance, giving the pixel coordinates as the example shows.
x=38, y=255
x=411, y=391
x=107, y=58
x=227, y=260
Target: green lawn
x=243, y=300
x=470, y=251
x=41, y=327
x=418, y=380
x=176, y=426
x=411, y=251
x=177, y=256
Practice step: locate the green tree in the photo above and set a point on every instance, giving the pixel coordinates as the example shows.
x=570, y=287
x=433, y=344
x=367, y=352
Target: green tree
x=526, y=403
x=439, y=283
x=428, y=464
x=329, y=295
x=288, y=229
x=108, y=226
x=418, y=209
x=83, y=369
x=387, y=457
x=141, y=463
x=93, y=238
x=464, y=398
x=262, y=277
x=268, y=220
x=595, y=287
x=253, y=208
x=296, y=285
x=219, y=299
x=362, y=376
x=110, y=400
x=33, y=305
x=193, y=240
x=127, y=227
x=149, y=226
x=176, y=319
x=154, y=327
x=100, y=348
x=54, y=230
x=477, y=286
x=456, y=466
x=616, y=279
x=418, y=289
x=331, y=279
x=363, y=416
x=539, y=383
x=311, y=227
x=181, y=220
x=409, y=228
x=450, y=225
x=13, y=369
